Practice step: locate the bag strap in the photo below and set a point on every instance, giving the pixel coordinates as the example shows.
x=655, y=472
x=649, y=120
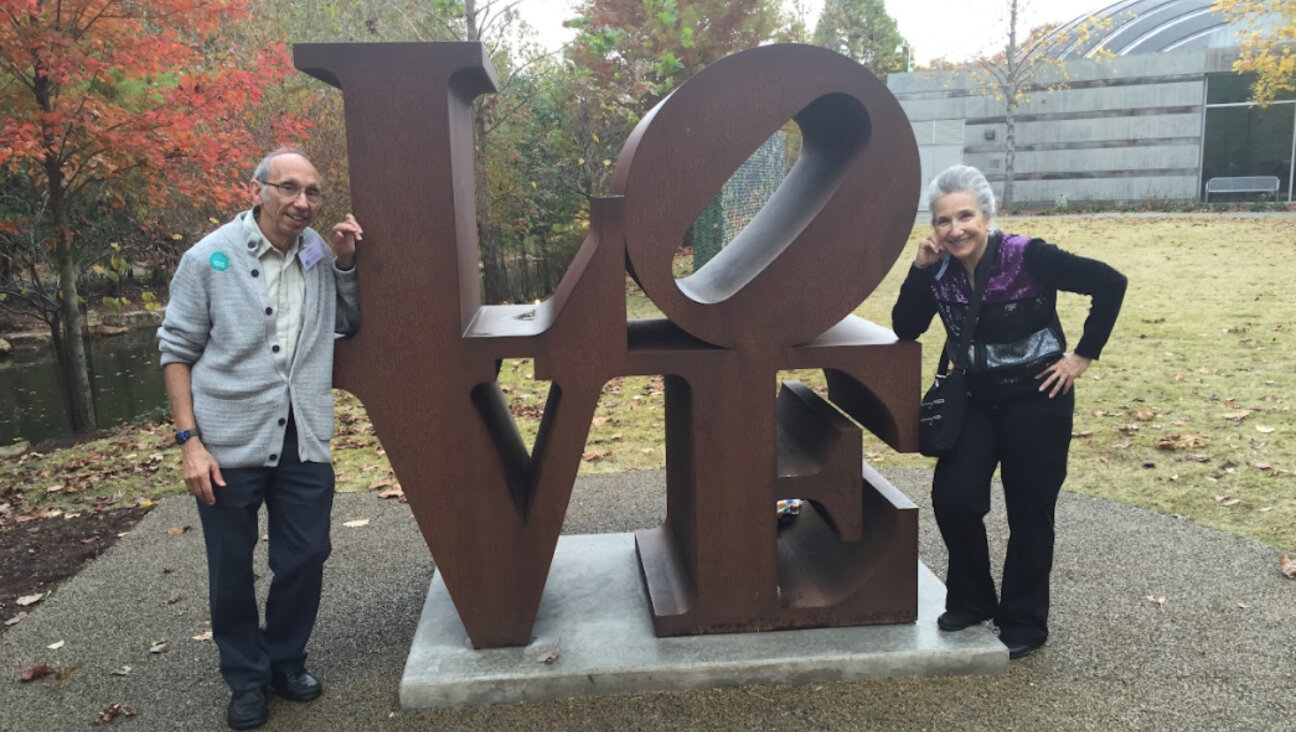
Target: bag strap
x=981, y=275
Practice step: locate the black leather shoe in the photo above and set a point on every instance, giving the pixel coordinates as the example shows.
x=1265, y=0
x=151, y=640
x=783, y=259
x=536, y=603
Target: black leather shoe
x=298, y=686
x=952, y=620
x=1019, y=649
x=247, y=709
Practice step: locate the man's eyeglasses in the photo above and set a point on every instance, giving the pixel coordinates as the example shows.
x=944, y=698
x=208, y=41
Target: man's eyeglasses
x=291, y=191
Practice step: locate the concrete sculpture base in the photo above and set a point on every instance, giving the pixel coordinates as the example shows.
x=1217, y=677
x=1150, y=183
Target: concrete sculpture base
x=594, y=637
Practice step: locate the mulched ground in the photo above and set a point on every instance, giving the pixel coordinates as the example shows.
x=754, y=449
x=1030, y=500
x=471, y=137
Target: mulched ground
x=36, y=555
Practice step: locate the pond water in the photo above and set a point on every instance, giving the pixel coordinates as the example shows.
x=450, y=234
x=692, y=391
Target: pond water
x=125, y=376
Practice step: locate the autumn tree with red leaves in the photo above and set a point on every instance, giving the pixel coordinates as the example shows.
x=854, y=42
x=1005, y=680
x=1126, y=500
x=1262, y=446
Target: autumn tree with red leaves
x=117, y=110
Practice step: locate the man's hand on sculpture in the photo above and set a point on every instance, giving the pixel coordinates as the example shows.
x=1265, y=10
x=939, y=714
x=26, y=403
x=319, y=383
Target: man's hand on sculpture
x=345, y=235
x=200, y=471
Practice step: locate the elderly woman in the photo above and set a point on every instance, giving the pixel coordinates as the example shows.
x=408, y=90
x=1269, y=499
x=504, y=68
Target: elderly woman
x=1020, y=376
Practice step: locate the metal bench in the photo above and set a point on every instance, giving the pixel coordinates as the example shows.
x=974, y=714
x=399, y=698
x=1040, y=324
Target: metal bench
x=1243, y=184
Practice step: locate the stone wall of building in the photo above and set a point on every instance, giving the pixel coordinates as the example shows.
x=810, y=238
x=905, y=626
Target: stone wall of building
x=1118, y=130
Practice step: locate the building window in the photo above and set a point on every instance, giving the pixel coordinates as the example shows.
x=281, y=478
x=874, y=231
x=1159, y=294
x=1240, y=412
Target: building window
x=1244, y=139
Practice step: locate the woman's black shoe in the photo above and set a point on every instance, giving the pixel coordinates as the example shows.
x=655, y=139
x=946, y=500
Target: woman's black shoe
x=1018, y=649
x=952, y=620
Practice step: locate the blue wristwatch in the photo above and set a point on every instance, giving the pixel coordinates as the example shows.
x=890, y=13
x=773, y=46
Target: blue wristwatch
x=183, y=435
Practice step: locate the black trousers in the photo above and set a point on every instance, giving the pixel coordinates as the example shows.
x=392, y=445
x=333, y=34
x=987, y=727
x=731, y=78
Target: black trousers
x=298, y=498
x=1029, y=440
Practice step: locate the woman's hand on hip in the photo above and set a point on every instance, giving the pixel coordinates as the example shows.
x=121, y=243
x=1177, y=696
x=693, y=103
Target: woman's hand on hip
x=1059, y=378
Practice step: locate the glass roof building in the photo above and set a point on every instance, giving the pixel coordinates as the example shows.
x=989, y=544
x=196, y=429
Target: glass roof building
x=1141, y=105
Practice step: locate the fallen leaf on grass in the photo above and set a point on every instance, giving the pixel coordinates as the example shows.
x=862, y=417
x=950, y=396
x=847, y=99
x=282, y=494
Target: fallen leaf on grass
x=203, y=636
x=112, y=711
x=598, y=421
x=17, y=618
x=1159, y=601
x=1287, y=566
x=1082, y=433
x=159, y=646
x=1236, y=416
x=56, y=645
x=123, y=671
x=35, y=672
x=592, y=456
x=356, y=523
x=178, y=530
x=1145, y=415
x=26, y=600
x=1262, y=466
x=380, y=483
x=394, y=492
x=1263, y=429
x=1127, y=429
x=65, y=672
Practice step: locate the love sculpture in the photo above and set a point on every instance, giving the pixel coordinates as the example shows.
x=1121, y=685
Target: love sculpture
x=779, y=296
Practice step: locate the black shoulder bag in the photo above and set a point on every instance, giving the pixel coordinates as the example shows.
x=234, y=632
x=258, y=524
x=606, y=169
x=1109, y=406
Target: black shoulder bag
x=944, y=406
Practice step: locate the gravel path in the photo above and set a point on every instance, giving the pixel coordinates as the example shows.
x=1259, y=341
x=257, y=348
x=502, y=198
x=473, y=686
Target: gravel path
x=1219, y=654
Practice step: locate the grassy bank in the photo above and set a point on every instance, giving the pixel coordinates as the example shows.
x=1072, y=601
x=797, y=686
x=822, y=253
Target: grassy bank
x=1188, y=412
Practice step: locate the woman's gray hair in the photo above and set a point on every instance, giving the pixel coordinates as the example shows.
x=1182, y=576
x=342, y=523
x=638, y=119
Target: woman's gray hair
x=262, y=172
x=963, y=178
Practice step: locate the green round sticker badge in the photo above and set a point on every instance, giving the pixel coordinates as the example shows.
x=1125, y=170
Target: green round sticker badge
x=219, y=261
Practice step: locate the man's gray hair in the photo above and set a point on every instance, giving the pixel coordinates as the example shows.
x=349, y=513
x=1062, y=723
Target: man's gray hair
x=963, y=178
x=262, y=172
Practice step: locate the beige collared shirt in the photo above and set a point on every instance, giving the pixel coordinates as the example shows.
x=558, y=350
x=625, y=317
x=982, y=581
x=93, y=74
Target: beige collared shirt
x=286, y=287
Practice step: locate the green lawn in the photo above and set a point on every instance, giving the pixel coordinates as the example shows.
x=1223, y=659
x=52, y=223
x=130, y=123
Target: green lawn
x=1187, y=413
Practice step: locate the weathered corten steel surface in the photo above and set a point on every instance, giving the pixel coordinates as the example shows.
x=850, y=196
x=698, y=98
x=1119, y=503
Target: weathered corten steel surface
x=778, y=297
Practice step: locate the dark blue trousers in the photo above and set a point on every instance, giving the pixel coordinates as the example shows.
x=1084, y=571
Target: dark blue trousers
x=1028, y=440
x=299, y=498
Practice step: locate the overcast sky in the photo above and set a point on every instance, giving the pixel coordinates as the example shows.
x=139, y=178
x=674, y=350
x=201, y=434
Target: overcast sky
x=955, y=29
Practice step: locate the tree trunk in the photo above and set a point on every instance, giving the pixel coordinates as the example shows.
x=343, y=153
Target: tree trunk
x=542, y=255
x=1010, y=156
x=67, y=327
x=69, y=340
x=1010, y=106
x=495, y=283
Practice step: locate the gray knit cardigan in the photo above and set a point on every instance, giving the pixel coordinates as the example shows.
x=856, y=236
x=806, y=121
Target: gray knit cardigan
x=219, y=321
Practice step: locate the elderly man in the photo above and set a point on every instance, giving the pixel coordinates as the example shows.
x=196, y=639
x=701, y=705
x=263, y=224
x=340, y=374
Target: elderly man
x=247, y=356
